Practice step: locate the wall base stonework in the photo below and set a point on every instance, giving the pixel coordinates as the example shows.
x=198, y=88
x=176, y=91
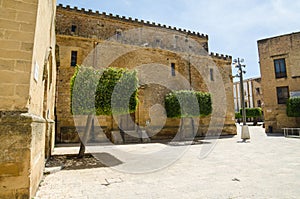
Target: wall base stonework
x=22, y=155
x=50, y=138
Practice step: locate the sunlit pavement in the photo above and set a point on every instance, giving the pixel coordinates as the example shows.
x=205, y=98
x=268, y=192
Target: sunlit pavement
x=264, y=167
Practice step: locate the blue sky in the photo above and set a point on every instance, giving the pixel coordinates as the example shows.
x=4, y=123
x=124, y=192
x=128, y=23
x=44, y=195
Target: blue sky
x=233, y=26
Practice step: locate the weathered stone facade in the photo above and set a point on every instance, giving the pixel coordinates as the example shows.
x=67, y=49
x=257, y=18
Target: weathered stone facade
x=27, y=90
x=280, y=71
x=102, y=40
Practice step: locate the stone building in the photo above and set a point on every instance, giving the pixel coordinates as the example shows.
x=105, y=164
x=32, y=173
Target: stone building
x=280, y=78
x=166, y=59
x=27, y=90
x=253, y=94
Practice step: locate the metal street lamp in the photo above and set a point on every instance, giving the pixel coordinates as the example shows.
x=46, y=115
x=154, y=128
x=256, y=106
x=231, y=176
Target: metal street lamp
x=238, y=64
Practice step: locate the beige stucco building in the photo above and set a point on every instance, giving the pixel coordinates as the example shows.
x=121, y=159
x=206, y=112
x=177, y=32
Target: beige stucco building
x=27, y=90
x=280, y=78
x=166, y=59
x=253, y=94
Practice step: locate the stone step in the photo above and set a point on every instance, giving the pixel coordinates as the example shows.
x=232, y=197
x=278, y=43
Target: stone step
x=130, y=137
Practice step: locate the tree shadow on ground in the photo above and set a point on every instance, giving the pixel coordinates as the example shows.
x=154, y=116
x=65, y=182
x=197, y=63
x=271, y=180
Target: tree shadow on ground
x=89, y=161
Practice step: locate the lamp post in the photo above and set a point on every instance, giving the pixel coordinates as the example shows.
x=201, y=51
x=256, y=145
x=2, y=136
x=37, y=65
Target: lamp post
x=238, y=64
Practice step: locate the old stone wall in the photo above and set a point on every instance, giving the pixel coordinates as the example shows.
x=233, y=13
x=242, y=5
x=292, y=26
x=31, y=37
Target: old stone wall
x=103, y=26
x=149, y=49
x=285, y=47
x=16, y=42
x=27, y=88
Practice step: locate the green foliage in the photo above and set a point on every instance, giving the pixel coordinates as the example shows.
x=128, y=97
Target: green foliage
x=117, y=92
x=293, y=107
x=238, y=115
x=112, y=91
x=83, y=87
x=187, y=104
x=252, y=112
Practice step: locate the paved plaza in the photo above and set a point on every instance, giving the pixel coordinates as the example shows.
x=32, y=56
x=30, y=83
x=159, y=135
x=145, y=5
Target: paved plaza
x=264, y=167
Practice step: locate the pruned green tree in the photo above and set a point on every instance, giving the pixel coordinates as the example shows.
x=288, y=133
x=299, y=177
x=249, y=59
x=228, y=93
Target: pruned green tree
x=102, y=92
x=116, y=92
x=187, y=104
x=293, y=107
x=254, y=113
x=238, y=116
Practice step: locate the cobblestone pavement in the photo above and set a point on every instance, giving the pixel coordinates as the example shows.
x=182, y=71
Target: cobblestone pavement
x=265, y=167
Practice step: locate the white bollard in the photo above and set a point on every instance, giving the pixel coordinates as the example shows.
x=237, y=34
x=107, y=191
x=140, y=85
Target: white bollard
x=245, y=132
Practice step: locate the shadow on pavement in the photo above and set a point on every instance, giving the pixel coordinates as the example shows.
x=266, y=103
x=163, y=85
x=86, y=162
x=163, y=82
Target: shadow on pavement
x=71, y=162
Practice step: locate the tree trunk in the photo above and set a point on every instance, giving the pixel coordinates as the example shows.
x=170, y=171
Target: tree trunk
x=86, y=135
x=193, y=127
x=122, y=133
x=254, y=121
x=181, y=129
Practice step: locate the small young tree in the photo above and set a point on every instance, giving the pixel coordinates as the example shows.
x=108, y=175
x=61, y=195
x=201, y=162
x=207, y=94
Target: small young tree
x=83, y=86
x=293, y=107
x=187, y=104
x=117, y=94
x=95, y=92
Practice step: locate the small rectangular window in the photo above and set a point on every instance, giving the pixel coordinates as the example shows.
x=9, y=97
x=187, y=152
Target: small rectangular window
x=258, y=103
x=280, y=68
x=173, y=69
x=73, y=28
x=282, y=94
x=73, y=58
x=258, y=90
x=211, y=72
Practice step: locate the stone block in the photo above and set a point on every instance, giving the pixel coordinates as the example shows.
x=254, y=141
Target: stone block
x=22, y=90
x=116, y=137
x=27, y=46
x=25, y=27
x=9, y=25
x=23, y=66
x=19, y=36
x=22, y=160
x=26, y=17
x=7, y=90
x=9, y=169
x=6, y=64
x=14, y=77
x=7, y=14
x=12, y=54
x=20, y=6
x=9, y=45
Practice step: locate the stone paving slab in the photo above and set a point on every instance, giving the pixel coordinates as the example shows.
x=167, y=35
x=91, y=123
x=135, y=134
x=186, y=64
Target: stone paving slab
x=265, y=167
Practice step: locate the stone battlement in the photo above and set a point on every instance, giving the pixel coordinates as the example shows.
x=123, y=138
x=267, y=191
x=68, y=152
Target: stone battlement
x=129, y=19
x=221, y=56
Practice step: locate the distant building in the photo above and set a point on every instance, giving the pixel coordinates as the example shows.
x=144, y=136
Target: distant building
x=253, y=94
x=280, y=78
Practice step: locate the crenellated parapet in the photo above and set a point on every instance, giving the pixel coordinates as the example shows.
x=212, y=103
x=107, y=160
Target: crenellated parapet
x=221, y=56
x=131, y=20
